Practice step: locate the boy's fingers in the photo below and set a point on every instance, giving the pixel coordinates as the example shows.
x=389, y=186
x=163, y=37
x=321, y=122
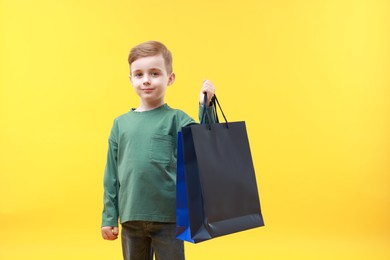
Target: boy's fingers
x=105, y=235
x=208, y=85
x=109, y=236
x=207, y=88
x=115, y=231
x=206, y=82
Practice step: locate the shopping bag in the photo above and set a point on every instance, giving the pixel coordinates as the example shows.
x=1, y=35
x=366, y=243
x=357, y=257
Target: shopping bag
x=216, y=184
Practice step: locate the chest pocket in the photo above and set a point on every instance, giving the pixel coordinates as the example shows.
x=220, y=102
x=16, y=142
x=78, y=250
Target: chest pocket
x=161, y=148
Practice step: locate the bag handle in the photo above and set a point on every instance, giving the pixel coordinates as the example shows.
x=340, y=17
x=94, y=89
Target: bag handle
x=205, y=112
x=214, y=102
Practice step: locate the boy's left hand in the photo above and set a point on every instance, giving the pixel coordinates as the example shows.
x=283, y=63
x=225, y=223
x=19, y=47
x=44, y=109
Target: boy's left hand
x=209, y=88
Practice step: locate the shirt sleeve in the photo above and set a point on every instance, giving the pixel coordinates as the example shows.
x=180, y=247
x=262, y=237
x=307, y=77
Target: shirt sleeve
x=211, y=111
x=111, y=184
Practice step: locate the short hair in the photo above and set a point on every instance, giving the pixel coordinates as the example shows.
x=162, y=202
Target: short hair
x=151, y=48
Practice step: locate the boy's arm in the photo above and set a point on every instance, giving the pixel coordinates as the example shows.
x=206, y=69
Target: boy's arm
x=111, y=186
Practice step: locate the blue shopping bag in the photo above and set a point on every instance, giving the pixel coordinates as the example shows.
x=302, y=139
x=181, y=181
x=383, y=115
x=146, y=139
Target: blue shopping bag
x=183, y=230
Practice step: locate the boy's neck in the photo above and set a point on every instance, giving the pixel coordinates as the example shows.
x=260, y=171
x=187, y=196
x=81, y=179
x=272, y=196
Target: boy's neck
x=145, y=106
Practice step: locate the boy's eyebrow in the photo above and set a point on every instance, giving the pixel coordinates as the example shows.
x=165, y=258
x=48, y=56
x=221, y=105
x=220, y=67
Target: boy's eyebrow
x=155, y=69
x=150, y=69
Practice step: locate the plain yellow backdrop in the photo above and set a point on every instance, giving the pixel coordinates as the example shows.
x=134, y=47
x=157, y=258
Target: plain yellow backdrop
x=310, y=78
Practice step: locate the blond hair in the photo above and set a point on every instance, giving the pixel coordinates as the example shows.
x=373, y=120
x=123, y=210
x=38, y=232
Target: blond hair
x=151, y=48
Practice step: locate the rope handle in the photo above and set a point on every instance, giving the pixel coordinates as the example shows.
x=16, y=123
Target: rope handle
x=214, y=102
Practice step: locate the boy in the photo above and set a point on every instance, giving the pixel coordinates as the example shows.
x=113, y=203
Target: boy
x=140, y=174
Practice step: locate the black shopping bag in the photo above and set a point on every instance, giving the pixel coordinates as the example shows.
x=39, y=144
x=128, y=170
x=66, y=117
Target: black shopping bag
x=216, y=185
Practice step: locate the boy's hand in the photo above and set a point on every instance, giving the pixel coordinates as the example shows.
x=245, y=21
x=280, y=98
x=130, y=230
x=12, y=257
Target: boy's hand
x=209, y=88
x=110, y=233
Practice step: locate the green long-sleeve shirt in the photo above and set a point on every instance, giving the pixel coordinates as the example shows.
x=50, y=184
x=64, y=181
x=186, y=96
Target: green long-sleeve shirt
x=140, y=173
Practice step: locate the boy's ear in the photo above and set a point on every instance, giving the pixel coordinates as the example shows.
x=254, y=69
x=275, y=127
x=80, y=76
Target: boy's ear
x=171, y=79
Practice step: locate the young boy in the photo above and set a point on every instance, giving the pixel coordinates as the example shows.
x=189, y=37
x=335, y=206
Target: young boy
x=140, y=174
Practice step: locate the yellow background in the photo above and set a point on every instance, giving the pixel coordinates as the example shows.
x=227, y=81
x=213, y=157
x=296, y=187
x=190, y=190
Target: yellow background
x=310, y=78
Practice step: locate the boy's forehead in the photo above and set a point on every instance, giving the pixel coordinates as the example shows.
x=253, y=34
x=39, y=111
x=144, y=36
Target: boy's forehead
x=156, y=61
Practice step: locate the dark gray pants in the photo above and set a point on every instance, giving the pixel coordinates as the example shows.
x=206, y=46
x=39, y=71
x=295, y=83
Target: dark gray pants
x=141, y=238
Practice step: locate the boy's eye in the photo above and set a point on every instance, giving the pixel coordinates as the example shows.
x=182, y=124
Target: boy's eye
x=138, y=75
x=155, y=74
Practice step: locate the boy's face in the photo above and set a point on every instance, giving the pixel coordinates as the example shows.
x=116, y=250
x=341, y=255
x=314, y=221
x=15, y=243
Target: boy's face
x=149, y=78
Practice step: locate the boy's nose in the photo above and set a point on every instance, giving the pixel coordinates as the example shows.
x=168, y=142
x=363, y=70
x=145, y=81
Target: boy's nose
x=146, y=80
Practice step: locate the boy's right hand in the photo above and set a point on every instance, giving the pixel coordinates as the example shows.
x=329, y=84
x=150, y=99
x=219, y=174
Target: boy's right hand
x=110, y=233
x=209, y=88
